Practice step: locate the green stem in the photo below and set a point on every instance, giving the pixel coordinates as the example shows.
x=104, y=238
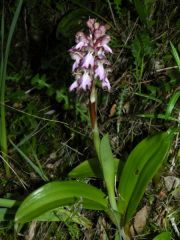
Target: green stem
x=93, y=115
x=113, y=212
x=96, y=139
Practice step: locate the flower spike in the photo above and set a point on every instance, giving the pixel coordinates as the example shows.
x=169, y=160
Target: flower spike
x=89, y=55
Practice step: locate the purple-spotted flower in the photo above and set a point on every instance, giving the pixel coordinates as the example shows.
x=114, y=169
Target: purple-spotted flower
x=89, y=55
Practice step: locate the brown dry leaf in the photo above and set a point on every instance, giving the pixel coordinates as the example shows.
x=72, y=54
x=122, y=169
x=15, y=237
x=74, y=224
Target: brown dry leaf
x=140, y=220
x=112, y=110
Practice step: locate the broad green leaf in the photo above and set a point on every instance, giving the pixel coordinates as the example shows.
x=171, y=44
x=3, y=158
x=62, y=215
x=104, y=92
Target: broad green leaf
x=57, y=194
x=87, y=169
x=91, y=169
x=163, y=236
x=65, y=215
x=140, y=167
x=8, y=203
x=108, y=167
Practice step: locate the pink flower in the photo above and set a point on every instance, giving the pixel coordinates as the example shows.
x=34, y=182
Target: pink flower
x=88, y=60
x=77, y=57
x=85, y=81
x=103, y=43
x=73, y=86
x=100, y=71
x=90, y=23
x=89, y=55
x=81, y=37
x=100, y=31
x=106, y=84
x=107, y=48
x=81, y=40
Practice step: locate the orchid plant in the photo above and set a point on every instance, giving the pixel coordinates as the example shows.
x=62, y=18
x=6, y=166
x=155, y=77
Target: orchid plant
x=91, y=64
x=120, y=199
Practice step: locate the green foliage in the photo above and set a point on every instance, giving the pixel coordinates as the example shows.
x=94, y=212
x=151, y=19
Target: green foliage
x=42, y=119
x=142, y=49
x=64, y=215
x=69, y=23
x=37, y=168
x=91, y=169
x=7, y=209
x=56, y=194
x=61, y=97
x=141, y=9
x=163, y=236
x=171, y=104
x=168, y=115
x=141, y=165
x=108, y=168
x=175, y=55
x=40, y=82
x=117, y=4
x=3, y=73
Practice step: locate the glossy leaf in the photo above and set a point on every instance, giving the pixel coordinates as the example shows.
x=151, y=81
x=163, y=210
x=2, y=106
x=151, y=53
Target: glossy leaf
x=88, y=169
x=163, y=236
x=91, y=169
x=57, y=194
x=108, y=167
x=140, y=167
x=8, y=203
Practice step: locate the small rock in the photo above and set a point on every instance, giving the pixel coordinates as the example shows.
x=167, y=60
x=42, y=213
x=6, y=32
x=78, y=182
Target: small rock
x=140, y=220
x=171, y=182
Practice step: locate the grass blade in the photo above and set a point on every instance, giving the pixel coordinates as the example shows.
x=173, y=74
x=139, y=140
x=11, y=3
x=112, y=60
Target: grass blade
x=4, y=61
x=176, y=55
x=172, y=103
x=37, y=169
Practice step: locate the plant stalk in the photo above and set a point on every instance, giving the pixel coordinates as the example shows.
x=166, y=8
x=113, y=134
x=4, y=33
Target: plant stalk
x=93, y=116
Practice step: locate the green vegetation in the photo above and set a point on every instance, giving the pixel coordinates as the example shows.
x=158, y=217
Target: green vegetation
x=65, y=174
